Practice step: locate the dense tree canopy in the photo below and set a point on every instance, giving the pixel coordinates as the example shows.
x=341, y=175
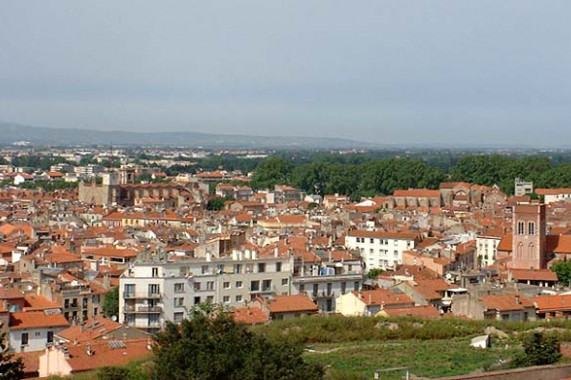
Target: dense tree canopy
x=539, y=349
x=363, y=176
x=111, y=302
x=210, y=345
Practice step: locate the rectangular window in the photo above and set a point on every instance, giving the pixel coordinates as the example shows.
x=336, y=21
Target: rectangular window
x=255, y=286
x=154, y=289
x=204, y=269
x=210, y=285
x=179, y=302
x=315, y=289
x=179, y=287
x=329, y=288
x=278, y=267
x=356, y=285
x=372, y=240
x=237, y=268
x=24, y=339
x=284, y=281
x=178, y=317
x=343, y=287
x=226, y=299
x=226, y=285
x=239, y=284
x=301, y=288
x=196, y=300
x=155, y=272
x=210, y=299
x=50, y=337
x=196, y=286
x=261, y=267
x=238, y=298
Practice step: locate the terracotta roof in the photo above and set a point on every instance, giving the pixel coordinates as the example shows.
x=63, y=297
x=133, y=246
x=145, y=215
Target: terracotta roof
x=35, y=302
x=289, y=304
x=36, y=319
x=104, y=355
x=382, y=297
x=91, y=330
x=549, y=303
x=505, y=243
x=534, y=275
x=417, y=193
x=250, y=315
x=427, y=311
x=112, y=252
x=553, y=191
x=506, y=302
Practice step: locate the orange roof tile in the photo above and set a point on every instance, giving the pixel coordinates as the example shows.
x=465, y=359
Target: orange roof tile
x=36, y=319
x=506, y=302
x=286, y=304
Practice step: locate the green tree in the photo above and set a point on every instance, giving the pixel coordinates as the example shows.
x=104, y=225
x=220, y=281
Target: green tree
x=563, y=271
x=272, y=171
x=215, y=204
x=10, y=368
x=111, y=302
x=373, y=273
x=539, y=349
x=210, y=345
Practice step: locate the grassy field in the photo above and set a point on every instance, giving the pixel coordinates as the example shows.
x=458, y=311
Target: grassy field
x=354, y=348
x=428, y=358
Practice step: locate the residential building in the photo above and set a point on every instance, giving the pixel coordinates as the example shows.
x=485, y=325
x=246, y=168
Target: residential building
x=381, y=249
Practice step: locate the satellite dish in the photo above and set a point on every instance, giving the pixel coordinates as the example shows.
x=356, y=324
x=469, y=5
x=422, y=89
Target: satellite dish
x=114, y=318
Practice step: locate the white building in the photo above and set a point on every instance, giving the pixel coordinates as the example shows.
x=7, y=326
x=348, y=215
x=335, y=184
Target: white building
x=34, y=330
x=487, y=248
x=381, y=249
x=152, y=293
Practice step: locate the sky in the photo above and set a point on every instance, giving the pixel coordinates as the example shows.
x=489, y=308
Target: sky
x=394, y=72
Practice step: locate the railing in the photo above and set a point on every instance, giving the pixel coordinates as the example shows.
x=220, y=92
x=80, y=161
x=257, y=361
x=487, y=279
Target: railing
x=142, y=295
x=143, y=309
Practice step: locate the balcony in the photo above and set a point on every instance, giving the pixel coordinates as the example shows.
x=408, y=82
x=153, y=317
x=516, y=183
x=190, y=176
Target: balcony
x=143, y=310
x=142, y=295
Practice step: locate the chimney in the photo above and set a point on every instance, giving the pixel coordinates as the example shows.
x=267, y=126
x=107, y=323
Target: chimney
x=517, y=300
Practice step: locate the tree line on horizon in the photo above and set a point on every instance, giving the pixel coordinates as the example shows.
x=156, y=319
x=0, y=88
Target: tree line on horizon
x=385, y=175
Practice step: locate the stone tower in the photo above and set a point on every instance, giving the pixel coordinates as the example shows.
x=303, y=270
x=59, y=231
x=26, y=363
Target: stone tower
x=528, y=246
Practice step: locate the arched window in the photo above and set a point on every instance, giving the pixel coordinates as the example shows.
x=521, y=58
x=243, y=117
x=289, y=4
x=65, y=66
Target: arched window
x=531, y=228
x=530, y=251
x=520, y=228
x=519, y=251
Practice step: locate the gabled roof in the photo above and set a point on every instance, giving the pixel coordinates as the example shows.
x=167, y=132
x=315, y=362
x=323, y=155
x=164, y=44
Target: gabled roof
x=382, y=297
x=290, y=304
x=36, y=319
x=506, y=302
x=551, y=303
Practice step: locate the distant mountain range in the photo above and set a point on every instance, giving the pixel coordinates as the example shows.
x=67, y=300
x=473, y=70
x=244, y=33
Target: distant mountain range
x=13, y=132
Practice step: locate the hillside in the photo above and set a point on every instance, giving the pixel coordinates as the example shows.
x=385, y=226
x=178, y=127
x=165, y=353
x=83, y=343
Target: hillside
x=13, y=132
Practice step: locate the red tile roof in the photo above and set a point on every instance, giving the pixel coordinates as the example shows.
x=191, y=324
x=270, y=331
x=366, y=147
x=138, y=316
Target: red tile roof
x=289, y=304
x=36, y=319
x=553, y=303
x=506, y=302
x=250, y=315
x=382, y=297
x=427, y=311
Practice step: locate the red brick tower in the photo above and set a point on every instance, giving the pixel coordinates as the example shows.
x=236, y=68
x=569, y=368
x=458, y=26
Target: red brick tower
x=528, y=247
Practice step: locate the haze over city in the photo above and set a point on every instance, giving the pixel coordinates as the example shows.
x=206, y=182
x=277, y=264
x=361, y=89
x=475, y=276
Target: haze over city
x=377, y=71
